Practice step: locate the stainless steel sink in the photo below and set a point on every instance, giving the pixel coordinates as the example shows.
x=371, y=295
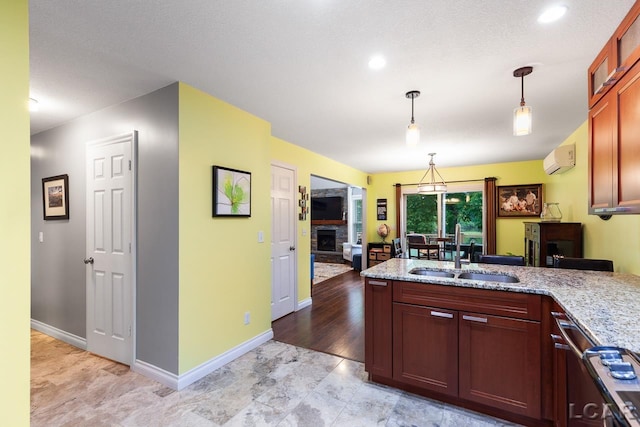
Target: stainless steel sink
x=490, y=277
x=427, y=272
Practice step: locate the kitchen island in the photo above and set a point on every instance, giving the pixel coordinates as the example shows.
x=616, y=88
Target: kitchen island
x=484, y=344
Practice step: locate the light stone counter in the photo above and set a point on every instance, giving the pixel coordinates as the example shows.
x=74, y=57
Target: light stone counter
x=605, y=305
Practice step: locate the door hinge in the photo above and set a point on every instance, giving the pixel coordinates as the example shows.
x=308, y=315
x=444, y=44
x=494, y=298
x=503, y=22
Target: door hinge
x=129, y=247
x=129, y=330
x=129, y=164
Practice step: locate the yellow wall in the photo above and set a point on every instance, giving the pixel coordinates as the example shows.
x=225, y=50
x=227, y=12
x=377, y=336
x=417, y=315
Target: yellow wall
x=615, y=239
x=308, y=163
x=224, y=271
x=14, y=216
x=509, y=231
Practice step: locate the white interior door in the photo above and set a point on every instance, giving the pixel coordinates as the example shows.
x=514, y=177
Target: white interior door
x=283, y=241
x=109, y=210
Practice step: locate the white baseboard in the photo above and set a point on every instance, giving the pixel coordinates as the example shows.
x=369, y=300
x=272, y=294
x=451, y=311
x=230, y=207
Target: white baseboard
x=151, y=371
x=304, y=303
x=178, y=382
x=59, y=334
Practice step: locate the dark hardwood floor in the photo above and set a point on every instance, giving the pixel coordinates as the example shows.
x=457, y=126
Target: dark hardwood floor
x=334, y=323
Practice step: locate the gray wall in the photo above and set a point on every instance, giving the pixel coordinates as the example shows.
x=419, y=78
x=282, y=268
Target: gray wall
x=58, y=273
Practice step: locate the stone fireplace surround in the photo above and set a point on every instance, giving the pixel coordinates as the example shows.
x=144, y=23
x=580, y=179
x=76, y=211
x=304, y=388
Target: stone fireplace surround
x=342, y=230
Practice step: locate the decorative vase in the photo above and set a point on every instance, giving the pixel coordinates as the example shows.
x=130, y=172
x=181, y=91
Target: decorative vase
x=551, y=212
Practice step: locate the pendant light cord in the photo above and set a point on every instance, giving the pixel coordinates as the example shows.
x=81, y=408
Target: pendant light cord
x=412, y=121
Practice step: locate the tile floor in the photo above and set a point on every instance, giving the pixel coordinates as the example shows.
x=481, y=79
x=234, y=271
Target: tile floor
x=276, y=384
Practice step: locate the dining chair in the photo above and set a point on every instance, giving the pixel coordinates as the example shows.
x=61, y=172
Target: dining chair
x=445, y=245
x=501, y=259
x=417, y=244
x=583, y=263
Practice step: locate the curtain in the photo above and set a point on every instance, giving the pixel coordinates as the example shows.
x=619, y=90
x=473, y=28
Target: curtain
x=490, y=203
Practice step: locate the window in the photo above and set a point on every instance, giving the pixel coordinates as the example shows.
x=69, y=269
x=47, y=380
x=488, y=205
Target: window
x=355, y=215
x=436, y=215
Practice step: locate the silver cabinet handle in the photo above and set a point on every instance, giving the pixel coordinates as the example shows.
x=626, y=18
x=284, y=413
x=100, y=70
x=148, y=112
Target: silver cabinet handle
x=88, y=260
x=475, y=319
x=377, y=283
x=441, y=314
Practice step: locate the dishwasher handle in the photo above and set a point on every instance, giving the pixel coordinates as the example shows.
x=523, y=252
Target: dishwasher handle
x=563, y=326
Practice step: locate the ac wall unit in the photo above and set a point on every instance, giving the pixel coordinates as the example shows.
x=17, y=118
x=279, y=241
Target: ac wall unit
x=560, y=160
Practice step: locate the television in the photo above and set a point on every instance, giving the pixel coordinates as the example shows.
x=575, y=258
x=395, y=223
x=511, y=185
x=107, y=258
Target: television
x=326, y=208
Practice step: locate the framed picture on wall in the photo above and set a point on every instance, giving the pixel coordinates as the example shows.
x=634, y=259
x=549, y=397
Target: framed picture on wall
x=55, y=197
x=519, y=200
x=231, y=192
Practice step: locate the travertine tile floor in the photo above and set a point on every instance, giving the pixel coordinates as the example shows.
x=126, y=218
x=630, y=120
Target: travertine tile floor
x=274, y=385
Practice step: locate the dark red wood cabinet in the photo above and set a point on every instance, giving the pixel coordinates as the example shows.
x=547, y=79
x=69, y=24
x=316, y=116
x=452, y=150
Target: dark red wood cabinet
x=377, y=327
x=425, y=347
x=500, y=362
x=476, y=348
x=614, y=122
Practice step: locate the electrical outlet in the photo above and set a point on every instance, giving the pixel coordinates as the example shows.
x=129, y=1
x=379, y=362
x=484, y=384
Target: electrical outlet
x=247, y=318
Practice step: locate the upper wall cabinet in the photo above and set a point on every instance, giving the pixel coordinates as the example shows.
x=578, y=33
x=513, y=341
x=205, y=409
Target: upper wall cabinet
x=614, y=124
x=616, y=57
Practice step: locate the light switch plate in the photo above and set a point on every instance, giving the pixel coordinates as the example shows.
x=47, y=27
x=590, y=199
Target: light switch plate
x=41, y=237
x=260, y=237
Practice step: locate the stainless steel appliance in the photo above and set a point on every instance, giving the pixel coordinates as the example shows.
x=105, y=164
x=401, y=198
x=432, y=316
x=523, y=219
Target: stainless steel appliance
x=613, y=373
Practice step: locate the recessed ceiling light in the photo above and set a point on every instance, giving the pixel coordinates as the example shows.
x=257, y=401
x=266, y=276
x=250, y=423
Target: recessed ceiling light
x=377, y=62
x=33, y=105
x=552, y=14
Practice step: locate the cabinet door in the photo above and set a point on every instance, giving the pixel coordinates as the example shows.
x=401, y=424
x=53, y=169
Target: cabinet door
x=602, y=73
x=500, y=362
x=602, y=142
x=377, y=327
x=425, y=347
x=628, y=152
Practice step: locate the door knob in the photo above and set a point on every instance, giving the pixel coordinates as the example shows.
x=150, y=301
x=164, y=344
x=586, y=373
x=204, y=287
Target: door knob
x=292, y=248
x=88, y=260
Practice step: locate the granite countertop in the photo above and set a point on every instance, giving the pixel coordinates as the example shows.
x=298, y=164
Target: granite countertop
x=606, y=306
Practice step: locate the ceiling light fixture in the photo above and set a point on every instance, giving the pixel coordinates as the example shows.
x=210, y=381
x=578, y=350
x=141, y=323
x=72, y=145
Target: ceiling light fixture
x=552, y=14
x=432, y=186
x=413, y=130
x=377, y=62
x=33, y=105
x=522, y=114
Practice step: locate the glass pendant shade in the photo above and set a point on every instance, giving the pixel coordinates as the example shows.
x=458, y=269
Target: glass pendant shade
x=522, y=121
x=413, y=135
x=432, y=188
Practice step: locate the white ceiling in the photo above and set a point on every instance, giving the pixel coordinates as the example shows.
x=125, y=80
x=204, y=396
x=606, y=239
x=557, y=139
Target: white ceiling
x=302, y=66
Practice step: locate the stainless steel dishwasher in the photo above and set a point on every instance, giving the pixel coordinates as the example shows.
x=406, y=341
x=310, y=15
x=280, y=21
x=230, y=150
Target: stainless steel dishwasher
x=602, y=385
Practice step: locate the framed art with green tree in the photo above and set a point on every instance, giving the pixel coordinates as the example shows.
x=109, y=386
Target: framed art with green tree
x=231, y=192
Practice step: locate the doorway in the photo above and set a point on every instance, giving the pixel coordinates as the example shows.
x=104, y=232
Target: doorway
x=110, y=246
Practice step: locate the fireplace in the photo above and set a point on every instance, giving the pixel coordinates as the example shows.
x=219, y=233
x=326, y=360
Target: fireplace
x=327, y=240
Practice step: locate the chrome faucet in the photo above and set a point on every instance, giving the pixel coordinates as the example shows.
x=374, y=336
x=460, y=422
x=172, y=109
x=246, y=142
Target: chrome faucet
x=458, y=264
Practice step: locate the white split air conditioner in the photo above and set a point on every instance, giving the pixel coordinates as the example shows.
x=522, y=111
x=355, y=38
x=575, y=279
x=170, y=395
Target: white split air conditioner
x=560, y=160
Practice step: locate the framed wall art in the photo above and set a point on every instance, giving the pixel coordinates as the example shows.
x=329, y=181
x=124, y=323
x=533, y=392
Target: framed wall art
x=55, y=197
x=231, y=192
x=519, y=200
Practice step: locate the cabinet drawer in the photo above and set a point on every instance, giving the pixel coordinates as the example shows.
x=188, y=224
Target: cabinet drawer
x=383, y=256
x=499, y=303
x=372, y=255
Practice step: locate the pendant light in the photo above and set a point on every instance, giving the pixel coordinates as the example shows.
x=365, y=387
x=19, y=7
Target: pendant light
x=431, y=186
x=522, y=114
x=413, y=130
